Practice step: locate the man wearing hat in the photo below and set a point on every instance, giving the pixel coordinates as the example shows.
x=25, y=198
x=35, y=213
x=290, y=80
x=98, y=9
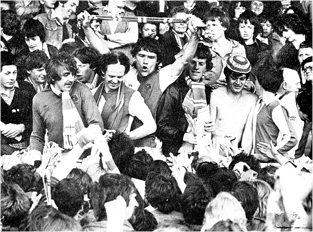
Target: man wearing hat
x=232, y=106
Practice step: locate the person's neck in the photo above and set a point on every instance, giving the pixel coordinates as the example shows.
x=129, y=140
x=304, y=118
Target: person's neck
x=180, y=34
x=298, y=40
x=249, y=41
x=91, y=78
x=113, y=7
x=220, y=42
x=59, y=13
x=268, y=97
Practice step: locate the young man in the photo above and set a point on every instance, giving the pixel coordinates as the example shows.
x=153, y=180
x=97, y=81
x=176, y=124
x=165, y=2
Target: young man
x=217, y=22
x=63, y=108
x=35, y=67
x=172, y=124
x=55, y=22
x=232, y=106
x=175, y=39
x=16, y=103
x=305, y=51
x=151, y=82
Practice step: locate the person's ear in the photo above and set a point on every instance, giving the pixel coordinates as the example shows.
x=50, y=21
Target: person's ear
x=284, y=85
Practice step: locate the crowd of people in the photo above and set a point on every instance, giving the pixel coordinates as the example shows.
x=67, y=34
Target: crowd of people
x=121, y=115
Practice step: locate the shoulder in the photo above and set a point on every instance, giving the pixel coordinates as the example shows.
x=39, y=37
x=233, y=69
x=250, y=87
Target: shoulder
x=41, y=17
x=250, y=96
x=27, y=88
x=220, y=91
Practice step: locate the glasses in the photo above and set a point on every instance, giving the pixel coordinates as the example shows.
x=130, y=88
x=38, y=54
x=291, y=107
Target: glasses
x=238, y=76
x=308, y=69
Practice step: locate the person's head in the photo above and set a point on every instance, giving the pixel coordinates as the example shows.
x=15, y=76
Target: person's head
x=35, y=66
x=160, y=166
x=307, y=67
x=147, y=54
x=217, y=22
x=247, y=195
x=226, y=225
x=250, y=160
x=235, y=6
x=224, y=206
x=149, y=30
x=267, y=22
x=14, y=204
x=205, y=168
x=291, y=81
x=195, y=199
x=249, y=26
x=112, y=67
x=257, y=6
x=47, y=218
x=222, y=180
x=143, y=220
x=122, y=150
x=8, y=73
x=179, y=12
x=305, y=50
x=86, y=62
x=200, y=63
x=68, y=196
x=70, y=47
x=161, y=191
x=10, y=24
x=67, y=7
x=264, y=190
x=110, y=186
x=139, y=165
x=290, y=25
x=82, y=178
x=49, y=4
x=267, y=174
x=237, y=71
x=34, y=34
x=61, y=70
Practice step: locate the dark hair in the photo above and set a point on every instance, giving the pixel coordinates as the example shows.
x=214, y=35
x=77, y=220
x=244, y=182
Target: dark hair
x=150, y=45
x=248, y=15
x=306, y=60
x=178, y=9
x=7, y=59
x=293, y=22
x=139, y=164
x=68, y=196
x=222, y=180
x=267, y=174
x=87, y=55
x=306, y=44
x=23, y=175
x=70, y=47
x=162, y=192
x=226, y=225
x=217, y=13
x=14, y=204
x=203, y=52
x=206, y=169
x=253, y=163
x=82, y=178
x=110, y=186
x=160, y=166
x=143, y=220
x=195, y=199
x=233, y=5
x=122, y=150
x=36, y=59
x=113, y=58
x=32, y=28
x=47, y=218
x=247, y=195
x=265, y=16
x=10, y=23
x=60, y=60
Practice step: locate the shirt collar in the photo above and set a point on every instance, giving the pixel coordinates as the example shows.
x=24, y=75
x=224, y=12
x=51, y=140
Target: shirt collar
x=54, y=16
x=2, y=90
x=55, y=91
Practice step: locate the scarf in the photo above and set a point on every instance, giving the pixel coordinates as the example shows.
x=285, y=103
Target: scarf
x=72, y=122
x=195, y=99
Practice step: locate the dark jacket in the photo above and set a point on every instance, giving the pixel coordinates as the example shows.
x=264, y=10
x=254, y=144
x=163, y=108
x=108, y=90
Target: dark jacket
x=170, y=118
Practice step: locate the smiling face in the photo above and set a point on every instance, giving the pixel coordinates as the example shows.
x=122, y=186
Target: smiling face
x=8, y=76
x=34, y=43
x=145, y=62
x=246, y=30
x=38, y=75
x=69, y=8
x=114, y=76
x=257, y=7
x=180, y=28
x=214, y=30
x=197, y=68
x=236, y=82
x=67, y=80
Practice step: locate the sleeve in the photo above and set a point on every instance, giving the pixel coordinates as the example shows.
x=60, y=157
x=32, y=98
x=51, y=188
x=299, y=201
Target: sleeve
x=28, y=120
x=37, y=137
x=90, y=109
x=121, y=39
x=22, y=10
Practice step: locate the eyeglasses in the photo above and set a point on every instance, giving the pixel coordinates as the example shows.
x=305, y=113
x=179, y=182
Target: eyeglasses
x=238, y=76
x=308, y=69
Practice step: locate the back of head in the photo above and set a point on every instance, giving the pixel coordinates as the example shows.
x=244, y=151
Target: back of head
x=247, y=195
x=122, y=150
x=47, y=218
x=226, y=225
x=195, y=199
x=14, y=205
x=224, y=206
x=143, y=220
x=82, y=178
x=68, y=197
x=222, y=180
x=10, y=23
x=162, y=192
x=267, y=174
x=160, y=166
x=139, y=165
x=263, y=190
x=110, y=186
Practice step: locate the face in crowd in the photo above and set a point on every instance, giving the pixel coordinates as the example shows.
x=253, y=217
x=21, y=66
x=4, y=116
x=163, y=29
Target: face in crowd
x=145, y=62
x=267, y=29
x=214, y=30
x=8, y=76
x=236, y=82
x=197, y=68
x=114, y=76
x=246, y=30
x=67, y=80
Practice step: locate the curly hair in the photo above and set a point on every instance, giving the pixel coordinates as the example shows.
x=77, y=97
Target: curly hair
x=112, y=58
x=82, y=178
x=36, y=59
x=139, y=164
